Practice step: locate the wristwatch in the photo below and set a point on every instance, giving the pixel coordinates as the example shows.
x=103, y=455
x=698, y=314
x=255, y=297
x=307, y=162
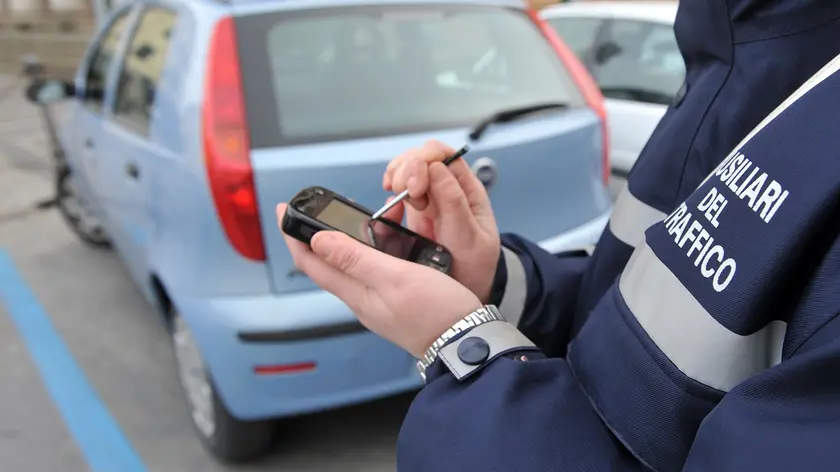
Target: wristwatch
x=483, y=315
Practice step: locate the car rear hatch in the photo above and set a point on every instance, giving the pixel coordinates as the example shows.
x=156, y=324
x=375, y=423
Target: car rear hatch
x=333, y=94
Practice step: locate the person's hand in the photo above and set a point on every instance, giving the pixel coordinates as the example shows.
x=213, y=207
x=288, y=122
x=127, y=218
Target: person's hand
x=408, y=304
x=449, y=205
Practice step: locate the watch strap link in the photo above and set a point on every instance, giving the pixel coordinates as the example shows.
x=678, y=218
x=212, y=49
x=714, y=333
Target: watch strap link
x=485, y=314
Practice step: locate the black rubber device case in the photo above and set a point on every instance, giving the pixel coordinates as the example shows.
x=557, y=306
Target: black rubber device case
x=298, y=224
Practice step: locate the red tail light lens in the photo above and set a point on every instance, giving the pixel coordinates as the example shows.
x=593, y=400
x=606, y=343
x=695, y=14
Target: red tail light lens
x=227, y=146
x=588, y=88
x=280, y=369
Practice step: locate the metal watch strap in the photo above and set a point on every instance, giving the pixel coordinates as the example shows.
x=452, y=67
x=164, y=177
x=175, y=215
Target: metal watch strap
x=485, y=314
x=492, y=339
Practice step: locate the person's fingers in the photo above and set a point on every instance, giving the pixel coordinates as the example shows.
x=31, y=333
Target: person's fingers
x=473, y=188
x=451, y=200
x=437, y=149
x=431, y=151
x=362, y=263
x=296, y=248
x=329, y=278
x=388, y=177
x=413, y=175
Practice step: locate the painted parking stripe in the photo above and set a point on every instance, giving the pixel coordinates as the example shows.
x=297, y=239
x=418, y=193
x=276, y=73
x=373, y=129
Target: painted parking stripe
x=94, y=429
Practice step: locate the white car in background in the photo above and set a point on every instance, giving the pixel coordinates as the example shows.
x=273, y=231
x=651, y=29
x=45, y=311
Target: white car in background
x=631, y=52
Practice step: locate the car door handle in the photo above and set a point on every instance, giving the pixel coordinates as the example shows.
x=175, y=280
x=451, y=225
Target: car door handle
x=132, y=170
x=89, y=143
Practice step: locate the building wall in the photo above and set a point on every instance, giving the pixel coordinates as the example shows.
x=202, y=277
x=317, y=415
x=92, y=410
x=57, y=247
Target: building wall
x=29, y=6
x=56, y=31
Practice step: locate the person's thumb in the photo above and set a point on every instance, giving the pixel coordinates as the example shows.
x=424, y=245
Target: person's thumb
x=359, y=261
x=452, y=203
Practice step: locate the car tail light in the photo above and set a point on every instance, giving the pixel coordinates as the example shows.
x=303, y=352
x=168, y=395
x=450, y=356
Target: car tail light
x=227, y=146
x=589, y=89
x=280, y=369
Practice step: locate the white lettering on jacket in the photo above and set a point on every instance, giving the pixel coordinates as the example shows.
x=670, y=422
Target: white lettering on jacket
x=740, y=176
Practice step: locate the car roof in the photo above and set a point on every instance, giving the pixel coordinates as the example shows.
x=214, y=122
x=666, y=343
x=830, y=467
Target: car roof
x=663, y=11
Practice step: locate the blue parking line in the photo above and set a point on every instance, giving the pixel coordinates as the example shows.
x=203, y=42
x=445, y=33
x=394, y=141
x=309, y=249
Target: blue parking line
x=92, y=426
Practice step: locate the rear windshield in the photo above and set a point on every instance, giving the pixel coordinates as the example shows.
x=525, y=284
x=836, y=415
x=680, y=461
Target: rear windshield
x=355, y=72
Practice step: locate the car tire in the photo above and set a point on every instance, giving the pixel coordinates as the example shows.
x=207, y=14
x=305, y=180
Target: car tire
x=227, y=438
x=76, y=212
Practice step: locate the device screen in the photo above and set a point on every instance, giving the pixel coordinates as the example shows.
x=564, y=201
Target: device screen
x=357, y=224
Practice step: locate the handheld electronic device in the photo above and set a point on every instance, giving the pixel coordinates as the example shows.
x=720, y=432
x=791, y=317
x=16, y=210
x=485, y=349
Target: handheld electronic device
x=316, y=209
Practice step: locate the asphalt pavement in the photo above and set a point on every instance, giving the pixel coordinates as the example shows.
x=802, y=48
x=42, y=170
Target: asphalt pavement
x=119, y=348
x=72, y=320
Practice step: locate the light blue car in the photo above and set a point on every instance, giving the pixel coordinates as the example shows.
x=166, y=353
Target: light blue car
x=191, y=120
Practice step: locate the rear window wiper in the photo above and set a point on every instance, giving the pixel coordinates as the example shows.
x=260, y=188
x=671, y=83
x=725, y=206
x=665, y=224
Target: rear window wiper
x=511, y=114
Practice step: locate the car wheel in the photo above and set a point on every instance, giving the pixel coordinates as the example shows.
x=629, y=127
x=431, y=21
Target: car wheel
x=76, y=211
x=228, y=439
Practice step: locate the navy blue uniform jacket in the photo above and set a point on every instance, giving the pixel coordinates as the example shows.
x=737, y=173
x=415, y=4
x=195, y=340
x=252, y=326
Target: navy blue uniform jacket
x=716, y=346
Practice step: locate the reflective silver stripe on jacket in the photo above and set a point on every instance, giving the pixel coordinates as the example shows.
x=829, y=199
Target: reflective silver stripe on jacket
x=631, y=217
x=687, y=334
x=684, y=331
x=628, y=222
x=516, y=288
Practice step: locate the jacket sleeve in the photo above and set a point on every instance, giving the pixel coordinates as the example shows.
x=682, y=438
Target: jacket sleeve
x=538, y=291
x=531, y=417
x=786, y=418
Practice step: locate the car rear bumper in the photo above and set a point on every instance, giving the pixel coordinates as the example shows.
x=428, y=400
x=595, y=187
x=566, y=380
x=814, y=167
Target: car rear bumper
x=238, y=335
x=351, y=365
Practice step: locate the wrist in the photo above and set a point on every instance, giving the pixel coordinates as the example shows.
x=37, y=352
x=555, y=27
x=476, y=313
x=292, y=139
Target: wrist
x=443, y=324
x=477, y=317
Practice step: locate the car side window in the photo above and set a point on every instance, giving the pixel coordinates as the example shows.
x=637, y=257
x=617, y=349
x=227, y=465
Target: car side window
x=639, y=61
x=143, y=67
x=96, y=77
x=578, y=33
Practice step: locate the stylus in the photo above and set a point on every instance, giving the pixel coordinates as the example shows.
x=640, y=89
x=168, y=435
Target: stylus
x=404, y=193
